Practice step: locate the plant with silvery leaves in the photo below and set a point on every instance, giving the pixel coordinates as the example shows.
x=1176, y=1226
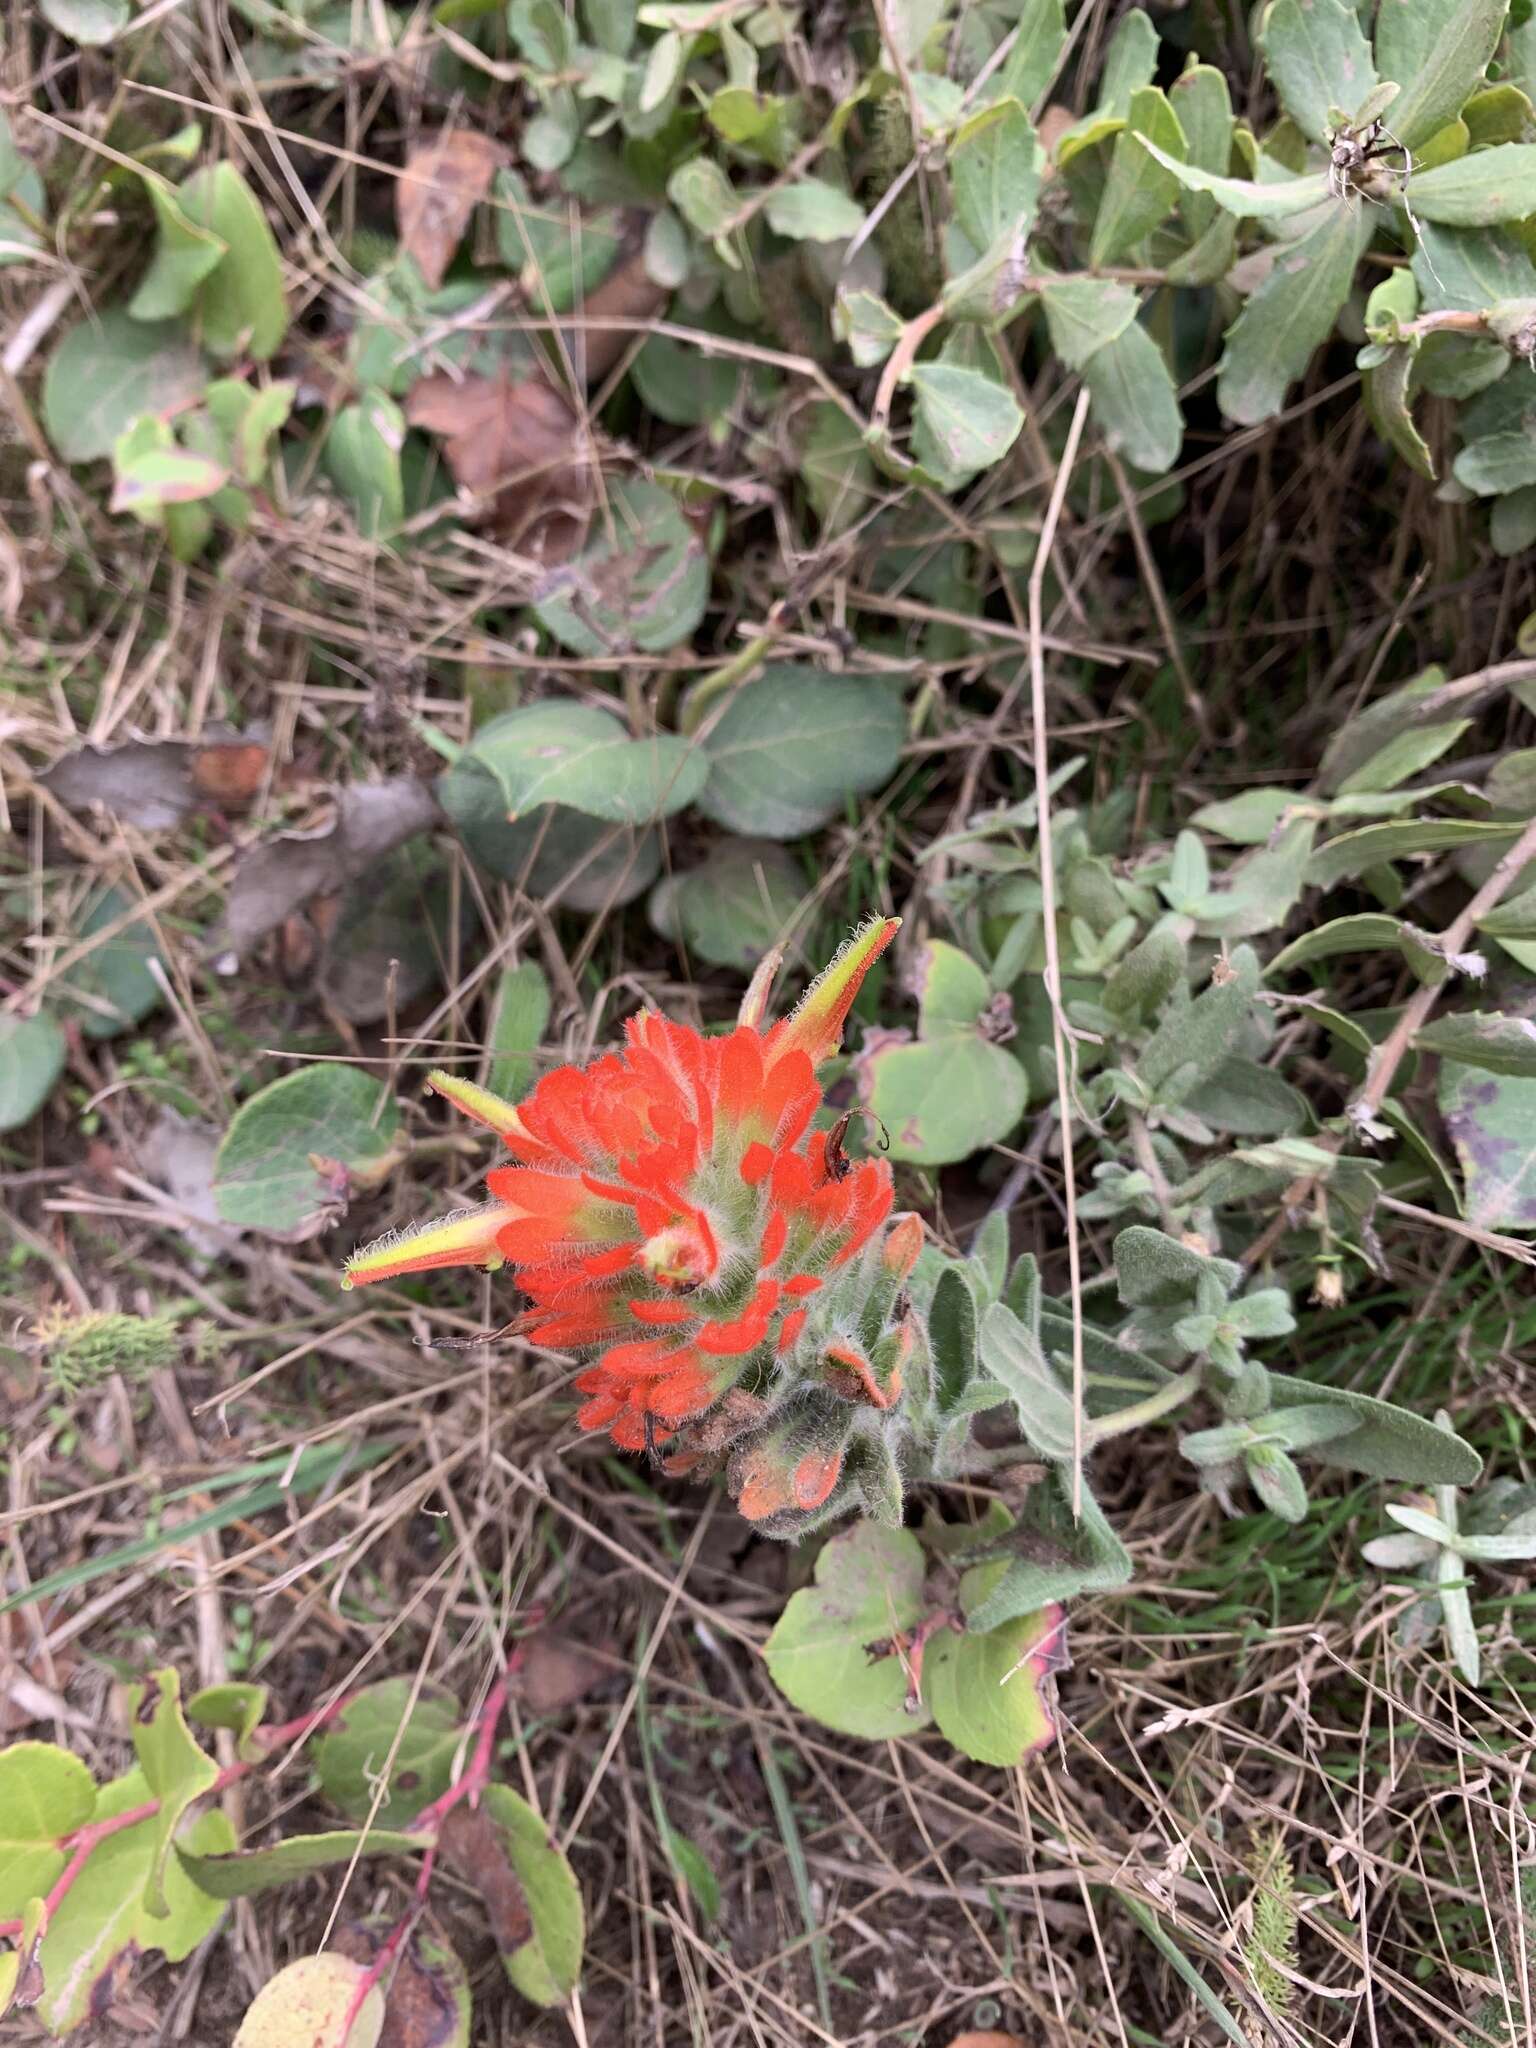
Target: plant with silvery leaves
x=1440, y=1544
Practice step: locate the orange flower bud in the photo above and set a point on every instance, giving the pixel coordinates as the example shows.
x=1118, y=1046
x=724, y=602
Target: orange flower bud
x=900, y=1252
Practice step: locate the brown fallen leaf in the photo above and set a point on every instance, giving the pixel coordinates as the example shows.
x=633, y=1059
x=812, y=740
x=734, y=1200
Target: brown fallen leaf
x=987, y=2040
x=626, y=293
x=518, y=442
x=497, y=430
x=471, y=1845
x=442, y=184
x=277, y=877
x=422, y=2007
x=154, y=784
x=556, y=1671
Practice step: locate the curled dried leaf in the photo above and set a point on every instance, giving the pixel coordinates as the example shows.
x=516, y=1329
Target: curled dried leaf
x=442, y=184
x=154, y=784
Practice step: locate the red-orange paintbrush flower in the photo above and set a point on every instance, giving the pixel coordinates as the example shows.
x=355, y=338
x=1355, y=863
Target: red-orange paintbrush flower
x=671, y=1209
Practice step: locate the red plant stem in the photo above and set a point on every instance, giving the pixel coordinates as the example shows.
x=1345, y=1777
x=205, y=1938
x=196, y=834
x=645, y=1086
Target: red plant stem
x=429, y=1822
x=910, y=1649
x=82, y=1840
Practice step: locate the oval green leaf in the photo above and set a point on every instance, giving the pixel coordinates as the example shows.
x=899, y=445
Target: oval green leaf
x=829, y=1653
x=793, y=746
x=265, y=1176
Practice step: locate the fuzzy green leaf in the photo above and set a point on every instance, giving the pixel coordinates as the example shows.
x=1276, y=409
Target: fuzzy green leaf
x=1491, y=1042
x=1292, y=313
x=1280, y=199
x=972, y=420
x=1193, y=1038
x=1070, y=1557
x=265, y=1174
x=1140, y=190
x=1317, y=58
x=562, y=752
x=1480, y=190
x=1200, y=98
x=1356, y=853
x=1155, y=1270
x=793, y=746
x=1039, y=33
x=1013, y=1356
x=1134, y=400
x=868, y=1587
x=1497, y=463
x=1387, y=1442
x=952, y=1336
x=1085, y=314
x=1448, y=73
x=990, y=1693
x=994, y=174
x=1386, y=393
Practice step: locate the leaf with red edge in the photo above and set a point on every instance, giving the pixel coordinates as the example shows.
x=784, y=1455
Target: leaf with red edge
x=991, y=1694
x=442, y=184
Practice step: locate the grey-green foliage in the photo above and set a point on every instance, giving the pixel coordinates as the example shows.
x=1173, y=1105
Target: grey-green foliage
x=997, y=244
x=1185, y=1304
x=1169, y=182
x=1441, y=1542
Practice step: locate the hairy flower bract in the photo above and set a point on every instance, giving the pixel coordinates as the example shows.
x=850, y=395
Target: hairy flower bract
x=673, y=1210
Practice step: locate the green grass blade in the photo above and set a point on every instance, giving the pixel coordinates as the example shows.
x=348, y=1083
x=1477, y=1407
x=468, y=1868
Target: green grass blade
x=1177, y=1961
